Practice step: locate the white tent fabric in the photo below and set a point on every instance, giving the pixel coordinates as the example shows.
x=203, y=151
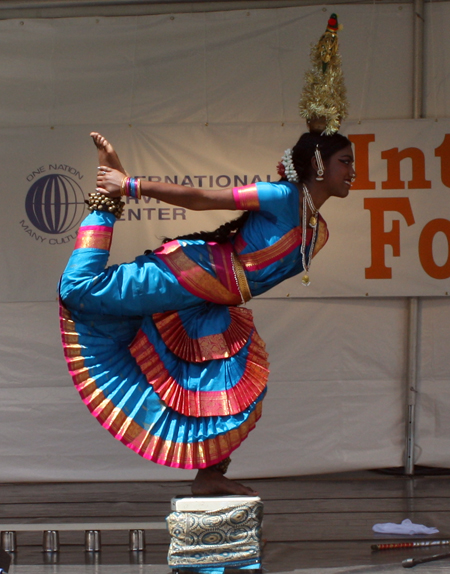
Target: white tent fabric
x=333, y=403
x=208, y=85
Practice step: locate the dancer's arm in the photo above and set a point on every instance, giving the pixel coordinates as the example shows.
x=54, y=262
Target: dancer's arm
x=195, y=198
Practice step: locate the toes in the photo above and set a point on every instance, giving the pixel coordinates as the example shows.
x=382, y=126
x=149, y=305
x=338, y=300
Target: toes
x=245, y=490
x=99, y=140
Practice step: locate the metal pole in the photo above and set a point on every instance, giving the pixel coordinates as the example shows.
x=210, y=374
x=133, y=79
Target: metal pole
x=418, y=39
x=413, y=325
x=413, y=344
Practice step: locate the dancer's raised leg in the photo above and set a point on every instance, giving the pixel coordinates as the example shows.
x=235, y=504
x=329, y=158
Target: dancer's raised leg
x=106, y=153
x=211, y=482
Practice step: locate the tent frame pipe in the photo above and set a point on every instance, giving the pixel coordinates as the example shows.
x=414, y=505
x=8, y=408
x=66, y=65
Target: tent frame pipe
x=414, y=302
x=418, y=41
x=413, y=345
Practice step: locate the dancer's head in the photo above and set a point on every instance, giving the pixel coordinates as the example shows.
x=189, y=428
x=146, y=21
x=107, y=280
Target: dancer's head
x=324, y=163
x=303, y=153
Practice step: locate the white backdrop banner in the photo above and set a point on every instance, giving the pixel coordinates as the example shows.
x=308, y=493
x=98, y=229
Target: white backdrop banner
x=211, y=100
x=389, y=238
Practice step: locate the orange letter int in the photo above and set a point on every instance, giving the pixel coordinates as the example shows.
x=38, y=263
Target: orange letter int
x=361, y=143
x=394, y=157
x=443, y=151
x=379, y=237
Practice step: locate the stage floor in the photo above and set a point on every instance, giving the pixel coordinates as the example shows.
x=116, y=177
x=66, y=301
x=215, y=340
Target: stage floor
x=314, y=524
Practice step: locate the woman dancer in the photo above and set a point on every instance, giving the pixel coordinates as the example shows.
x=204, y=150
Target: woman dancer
x=159, y=348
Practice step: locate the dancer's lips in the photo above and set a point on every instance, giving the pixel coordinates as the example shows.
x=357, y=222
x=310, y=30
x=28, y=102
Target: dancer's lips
x=348, y=182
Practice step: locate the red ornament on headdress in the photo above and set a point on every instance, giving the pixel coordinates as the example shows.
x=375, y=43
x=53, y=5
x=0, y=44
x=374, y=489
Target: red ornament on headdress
x=333, y=23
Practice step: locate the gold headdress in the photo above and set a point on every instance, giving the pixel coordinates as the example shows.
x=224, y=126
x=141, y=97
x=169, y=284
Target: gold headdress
x=323, y=102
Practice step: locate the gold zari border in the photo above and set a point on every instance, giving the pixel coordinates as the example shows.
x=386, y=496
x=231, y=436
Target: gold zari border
x=248, y=197
x=241, y=278
x=94, y=238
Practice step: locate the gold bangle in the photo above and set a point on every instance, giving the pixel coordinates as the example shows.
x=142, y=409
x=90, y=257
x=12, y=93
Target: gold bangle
x=123, y=186
x=138, y=188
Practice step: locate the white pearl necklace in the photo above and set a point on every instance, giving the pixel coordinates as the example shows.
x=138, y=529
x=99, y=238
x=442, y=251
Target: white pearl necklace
x=313, y=223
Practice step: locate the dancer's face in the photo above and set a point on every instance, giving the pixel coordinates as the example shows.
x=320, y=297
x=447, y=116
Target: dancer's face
x=339, y=172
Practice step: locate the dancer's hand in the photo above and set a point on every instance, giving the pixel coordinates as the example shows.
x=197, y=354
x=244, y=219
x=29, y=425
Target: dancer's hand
x=109, y=181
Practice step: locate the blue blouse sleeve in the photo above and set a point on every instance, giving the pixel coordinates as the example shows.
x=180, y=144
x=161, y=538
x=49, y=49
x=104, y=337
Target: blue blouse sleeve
x=277, y=203
x=277, y=198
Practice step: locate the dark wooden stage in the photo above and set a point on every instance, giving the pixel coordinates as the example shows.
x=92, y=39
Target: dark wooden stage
x=314, y=524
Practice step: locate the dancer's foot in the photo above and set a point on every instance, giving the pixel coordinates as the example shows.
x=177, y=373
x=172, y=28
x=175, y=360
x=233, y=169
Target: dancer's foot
x=211, y=482
x=106, y=153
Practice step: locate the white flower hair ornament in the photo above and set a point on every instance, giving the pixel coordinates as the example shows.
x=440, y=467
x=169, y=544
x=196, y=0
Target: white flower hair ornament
x=289, y=169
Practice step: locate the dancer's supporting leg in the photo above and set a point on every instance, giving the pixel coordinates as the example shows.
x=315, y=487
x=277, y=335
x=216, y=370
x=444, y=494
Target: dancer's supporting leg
x=210, y=481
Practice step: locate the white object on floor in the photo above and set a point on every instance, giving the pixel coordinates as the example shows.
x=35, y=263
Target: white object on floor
x=406, y=527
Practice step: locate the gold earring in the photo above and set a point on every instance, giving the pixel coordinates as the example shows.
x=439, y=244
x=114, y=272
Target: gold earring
x=321, y=169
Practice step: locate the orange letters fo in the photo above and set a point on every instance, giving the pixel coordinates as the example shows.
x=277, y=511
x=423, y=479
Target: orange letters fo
x=426, y=248
x=361, y=143
x=379, y=237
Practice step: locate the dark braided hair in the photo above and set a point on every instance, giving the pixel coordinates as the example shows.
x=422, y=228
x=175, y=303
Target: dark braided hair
x=220, y=235
x=302, y=153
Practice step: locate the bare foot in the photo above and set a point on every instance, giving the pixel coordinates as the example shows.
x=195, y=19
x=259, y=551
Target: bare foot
x=211, y=482
x=106, y=153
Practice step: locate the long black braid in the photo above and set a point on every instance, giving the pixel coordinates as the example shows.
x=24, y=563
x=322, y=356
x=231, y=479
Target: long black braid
x=220, y=235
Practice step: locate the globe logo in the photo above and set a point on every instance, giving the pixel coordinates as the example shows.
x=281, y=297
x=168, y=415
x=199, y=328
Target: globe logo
x=55, y=204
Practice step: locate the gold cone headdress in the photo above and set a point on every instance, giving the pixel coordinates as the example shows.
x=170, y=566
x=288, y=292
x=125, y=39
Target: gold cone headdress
x=323, y=102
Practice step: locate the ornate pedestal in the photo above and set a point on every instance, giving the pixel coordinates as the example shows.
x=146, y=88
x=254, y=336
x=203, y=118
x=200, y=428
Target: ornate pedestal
x=209, y=535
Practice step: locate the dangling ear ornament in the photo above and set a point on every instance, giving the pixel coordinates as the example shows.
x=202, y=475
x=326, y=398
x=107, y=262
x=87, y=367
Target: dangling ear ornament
x=320, y=168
